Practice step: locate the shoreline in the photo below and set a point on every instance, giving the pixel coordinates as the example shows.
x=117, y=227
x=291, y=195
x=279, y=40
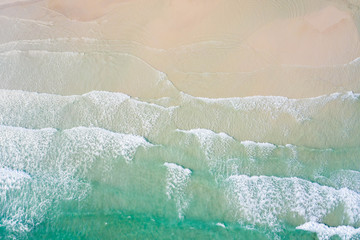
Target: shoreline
x=215, y=50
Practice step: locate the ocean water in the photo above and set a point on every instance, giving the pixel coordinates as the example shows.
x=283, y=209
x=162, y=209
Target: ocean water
x=105, y=165
x=106, y=132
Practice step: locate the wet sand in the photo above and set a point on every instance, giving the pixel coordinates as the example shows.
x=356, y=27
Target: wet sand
x=204, y=48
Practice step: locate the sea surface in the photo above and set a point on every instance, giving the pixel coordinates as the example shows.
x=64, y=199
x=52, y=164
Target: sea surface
x=104, y=166
x=96, y=143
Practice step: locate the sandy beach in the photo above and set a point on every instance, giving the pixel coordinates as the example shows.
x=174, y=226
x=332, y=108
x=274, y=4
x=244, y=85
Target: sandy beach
x=180, y=119
x=204, y=48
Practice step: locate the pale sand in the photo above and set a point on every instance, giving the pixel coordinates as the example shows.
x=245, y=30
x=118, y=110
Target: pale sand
x=84, y=10
x=218, y=48
x=325, y=37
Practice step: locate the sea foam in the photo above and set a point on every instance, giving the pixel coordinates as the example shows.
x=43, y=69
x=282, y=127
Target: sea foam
x=325, y=232
x=177, y=180
x=272, y=200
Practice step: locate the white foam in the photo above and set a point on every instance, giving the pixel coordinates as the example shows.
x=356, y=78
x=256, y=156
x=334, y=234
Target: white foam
x=213, y=145
x=300, y=109
x=248, y=143
x=209, y=140
x=110, y=101
x=58, y=162
x=20, y=146
x=273, y=200
x=13, y=186
x=97, y=142
x=205, y=135
x=11, y=179
x=121, y=113
x=325, y=232
x=354, y=62
x=177, y=179
x=350, y=95
x=346, y=179
x=221, y=225
x=254, y=149
x=118, y=112
x=226, y=156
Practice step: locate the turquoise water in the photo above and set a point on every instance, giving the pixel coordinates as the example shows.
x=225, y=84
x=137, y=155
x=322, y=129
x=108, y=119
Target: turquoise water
x=107, y=166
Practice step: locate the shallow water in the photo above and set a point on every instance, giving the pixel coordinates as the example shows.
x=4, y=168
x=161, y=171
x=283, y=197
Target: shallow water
x=109, y=128
x=140, y=168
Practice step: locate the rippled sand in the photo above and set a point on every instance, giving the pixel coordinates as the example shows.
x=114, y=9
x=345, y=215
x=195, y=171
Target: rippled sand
x=216, y=48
